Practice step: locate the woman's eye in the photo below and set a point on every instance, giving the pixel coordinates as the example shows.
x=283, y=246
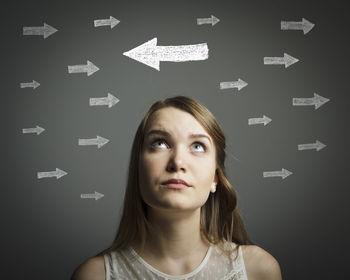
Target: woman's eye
x=160, y=141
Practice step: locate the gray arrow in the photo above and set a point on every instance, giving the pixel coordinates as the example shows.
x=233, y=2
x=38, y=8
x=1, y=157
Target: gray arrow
x=265, y=120
x=212, y=20
x=287, y=60
x=317, y=146
x=105, y=22
x=33, y=85
x=151, y=54
x=45, y=30
x=58, y=174
x=284, y=173
x=239, y=84
x=89, y=68
x=304, y=25
x=95, y=195
x=99, y=141
x=36, y=130
x=110, y=100
x=317, y=100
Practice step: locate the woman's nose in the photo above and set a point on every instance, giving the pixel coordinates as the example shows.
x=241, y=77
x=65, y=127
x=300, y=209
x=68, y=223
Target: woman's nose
x=176, y=160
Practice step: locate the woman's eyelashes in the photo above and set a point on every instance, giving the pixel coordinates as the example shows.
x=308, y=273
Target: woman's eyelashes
x=161, y=140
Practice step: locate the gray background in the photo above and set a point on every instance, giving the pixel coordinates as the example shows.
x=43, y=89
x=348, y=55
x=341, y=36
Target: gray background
x=48, y=230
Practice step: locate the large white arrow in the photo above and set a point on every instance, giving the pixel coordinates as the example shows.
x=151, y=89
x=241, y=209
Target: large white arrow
x=284, y=173
x=110, y=100
x=317, y=100
x=212, y=20
x=33, y=85
x=36, y=130
x=95, y=195
x=265, y=120
x=151, y=54
x=45, y=30
x=287, y=60
x=239, y=84
x=304, y=25
x=58, y=174
x=317, y=146
x=99, y=141
x=89, y=68
x=103, y=22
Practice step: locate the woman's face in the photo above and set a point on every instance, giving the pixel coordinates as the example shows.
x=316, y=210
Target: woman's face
x=169, y=152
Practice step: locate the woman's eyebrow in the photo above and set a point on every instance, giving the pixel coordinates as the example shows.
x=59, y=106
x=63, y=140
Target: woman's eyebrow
x=163, y=132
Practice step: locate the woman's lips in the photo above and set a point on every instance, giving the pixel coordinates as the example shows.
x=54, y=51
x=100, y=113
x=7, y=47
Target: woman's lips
x=175, y=186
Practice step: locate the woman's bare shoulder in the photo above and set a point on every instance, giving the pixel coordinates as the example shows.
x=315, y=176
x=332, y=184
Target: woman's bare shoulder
x=260, y=264
x=92, y=269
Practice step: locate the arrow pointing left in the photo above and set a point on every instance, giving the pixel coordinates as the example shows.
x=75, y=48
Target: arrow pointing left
x=33, y=85
x=36, y=130
x=58, y=174
x=89, y=68
x=151, y=54
x=45, y=30
x=98, y=141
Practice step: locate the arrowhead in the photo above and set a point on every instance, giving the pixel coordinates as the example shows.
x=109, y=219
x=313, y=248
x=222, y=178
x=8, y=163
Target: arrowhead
x=101, y=141
x=39, y=130
x=214, y=20
x=35, y=84
x=286, y=173
x=92, y=68
x=266, y=120
x=289, y=60
x=319, y=100
x=113, y=21
x=241, y=84
x=48, y=30
x=98, y=195
x=319, y=145
x=112, y=100
x=145, y=53
x=307, y=26
x=60, y=173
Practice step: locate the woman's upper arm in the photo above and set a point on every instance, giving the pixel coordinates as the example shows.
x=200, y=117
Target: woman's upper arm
x=92, y=269
x=260, y=264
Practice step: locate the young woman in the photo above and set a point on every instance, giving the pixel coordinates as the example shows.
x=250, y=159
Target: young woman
x=180, y=218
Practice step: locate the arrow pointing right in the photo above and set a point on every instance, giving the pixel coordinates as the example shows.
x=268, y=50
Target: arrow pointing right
x=110, y=100
x=287, y=60
x=304, y=25
x=284, y=173
x=317, y=146
x=44, y=31
x=103, y=22
x=33, y=85
x=239, y=84
x=58, y=174
x=264, y=120
x=212, y=20
x=98, y=141
x=89, y=68
x=36, y=130
x=317, y=100
x=96, y=195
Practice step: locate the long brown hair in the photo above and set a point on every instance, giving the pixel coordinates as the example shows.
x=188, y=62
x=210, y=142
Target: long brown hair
x=220, y=220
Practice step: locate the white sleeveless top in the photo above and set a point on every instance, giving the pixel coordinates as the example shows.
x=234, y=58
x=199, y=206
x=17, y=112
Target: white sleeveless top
x=128, y=264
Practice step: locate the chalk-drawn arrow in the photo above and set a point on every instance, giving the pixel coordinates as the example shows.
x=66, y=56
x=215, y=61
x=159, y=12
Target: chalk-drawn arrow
x=212, y=20
x=45, y=30
x=99, y=141
x=284, y=173
x=89, y=68
x=239, y=84
x=151, y=54
x=36, y=130
x=317, y=146
x=317, y=100
x=103, y=22
x=95, y=195
x=110, y=100
x=287, y=60
x=265, y=120
x=304, y=25
x=33, y=85
x=58, y=174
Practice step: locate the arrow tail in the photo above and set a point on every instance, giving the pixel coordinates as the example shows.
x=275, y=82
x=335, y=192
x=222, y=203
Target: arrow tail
x=303, y=101
x=26, y=85
x=226, y=85
x=102, y=22
x=291, y=25
x=31, y=30
x=273, y=60
x=99, y=101
x=46, y=174
x=77, y=68
x=29, y=130
x=183, y=52
x=302, y=147
x=86, y=142
x=201, y=21
x=255, y=121
x=272, y=174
